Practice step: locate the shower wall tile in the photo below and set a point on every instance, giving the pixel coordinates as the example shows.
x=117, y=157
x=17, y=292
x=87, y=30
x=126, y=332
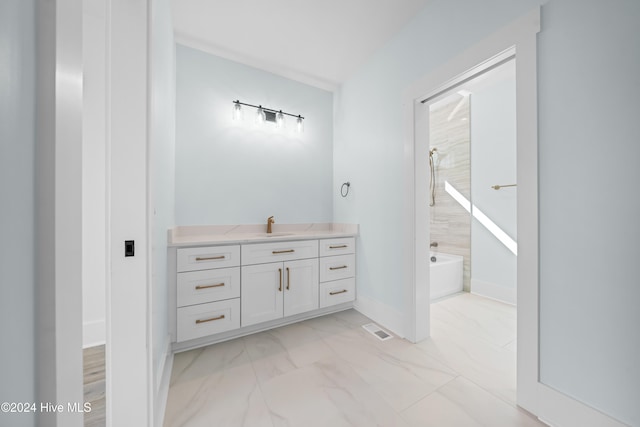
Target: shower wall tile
x=450, y=223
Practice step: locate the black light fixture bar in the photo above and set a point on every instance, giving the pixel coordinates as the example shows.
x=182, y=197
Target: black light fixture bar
x=298, y=116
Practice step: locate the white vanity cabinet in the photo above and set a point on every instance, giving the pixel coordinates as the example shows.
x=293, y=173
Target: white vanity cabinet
x=222, y=291
x=271, y=290
x=337, y=271
x=207, y=291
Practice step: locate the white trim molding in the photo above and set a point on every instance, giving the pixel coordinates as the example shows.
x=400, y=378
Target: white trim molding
x=261, y=64
x=128, y=374
x=162, y=383
x=58, y=213
x=493, y=291
x=560, y=410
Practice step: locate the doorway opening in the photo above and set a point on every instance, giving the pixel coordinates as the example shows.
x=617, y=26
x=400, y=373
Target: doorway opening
x=472, y=183
x=519, y=38
x=472, y=186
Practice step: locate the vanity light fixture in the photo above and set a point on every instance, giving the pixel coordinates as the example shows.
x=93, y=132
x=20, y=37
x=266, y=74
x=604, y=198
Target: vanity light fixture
x=264, y=114
x=237, y=112
x=299, y=124
x=261, y=117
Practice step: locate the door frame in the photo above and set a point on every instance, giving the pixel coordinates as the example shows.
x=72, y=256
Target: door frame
x=128, y=354
x=520, y=36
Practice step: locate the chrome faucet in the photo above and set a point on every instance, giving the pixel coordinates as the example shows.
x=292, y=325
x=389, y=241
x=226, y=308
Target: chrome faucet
x=433, y=245
x=270, y=221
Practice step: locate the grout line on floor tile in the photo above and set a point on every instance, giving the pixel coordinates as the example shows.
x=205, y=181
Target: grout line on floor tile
x=512, y=404
x=428, y=394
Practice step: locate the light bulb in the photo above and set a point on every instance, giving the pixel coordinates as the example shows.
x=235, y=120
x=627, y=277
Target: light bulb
x=299, y=125
x=237, y=111
x=280, y=119
x=260, y=116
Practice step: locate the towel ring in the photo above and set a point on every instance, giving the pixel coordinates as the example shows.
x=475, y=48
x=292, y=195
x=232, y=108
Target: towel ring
x=344, y=192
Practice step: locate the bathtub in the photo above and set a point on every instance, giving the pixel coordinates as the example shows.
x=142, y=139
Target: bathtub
x=445, y=274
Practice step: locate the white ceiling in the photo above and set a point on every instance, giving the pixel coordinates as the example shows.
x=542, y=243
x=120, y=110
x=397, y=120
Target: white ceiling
x=318, y=42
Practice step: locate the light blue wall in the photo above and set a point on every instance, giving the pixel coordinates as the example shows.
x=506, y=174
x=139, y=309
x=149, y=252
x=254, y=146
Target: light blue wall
x=230, y=173
x=162, y=152
x=589, y=202
x=589, y=63
x=17, y=145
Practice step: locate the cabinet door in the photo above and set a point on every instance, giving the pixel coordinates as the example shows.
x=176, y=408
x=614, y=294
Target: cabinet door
x=301, y=288
x=261, y=293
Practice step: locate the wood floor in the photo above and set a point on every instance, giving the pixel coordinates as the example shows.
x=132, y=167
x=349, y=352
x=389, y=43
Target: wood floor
x=94, y=386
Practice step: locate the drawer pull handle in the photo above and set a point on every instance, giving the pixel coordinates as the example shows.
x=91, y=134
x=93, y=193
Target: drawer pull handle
x=338, y=268
x=280, y=287
x=338, y=247
x=209, y=320
x=288, y=278
x=217, y=285
x=338, y=292
x=209, y=258
x=288, y=251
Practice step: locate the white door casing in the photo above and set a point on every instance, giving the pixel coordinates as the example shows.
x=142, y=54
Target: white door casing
x=519, y=36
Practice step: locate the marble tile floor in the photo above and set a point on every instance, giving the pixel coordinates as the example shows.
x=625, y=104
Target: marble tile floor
x=329, y=371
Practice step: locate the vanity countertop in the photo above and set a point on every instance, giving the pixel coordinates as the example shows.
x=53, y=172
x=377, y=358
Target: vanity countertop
x=202, y=235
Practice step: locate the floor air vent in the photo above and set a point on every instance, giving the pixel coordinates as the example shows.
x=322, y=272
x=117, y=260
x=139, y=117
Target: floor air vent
x=377, y=331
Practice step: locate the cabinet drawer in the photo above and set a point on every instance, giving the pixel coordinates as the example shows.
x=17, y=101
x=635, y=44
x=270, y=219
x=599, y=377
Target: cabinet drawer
x=201, y=320
x=337, y=267
x=262, y=253
x=329, y=247
x=191, y=259
x=197, y=287
x=337, y=292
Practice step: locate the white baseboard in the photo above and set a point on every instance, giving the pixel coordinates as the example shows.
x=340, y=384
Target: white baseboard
x=559, y=410
x=493, y=291
x=163, y=379
x=93, y=333
x=384, y=315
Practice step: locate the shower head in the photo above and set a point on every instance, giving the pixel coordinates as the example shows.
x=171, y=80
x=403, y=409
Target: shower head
x=433, y=150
